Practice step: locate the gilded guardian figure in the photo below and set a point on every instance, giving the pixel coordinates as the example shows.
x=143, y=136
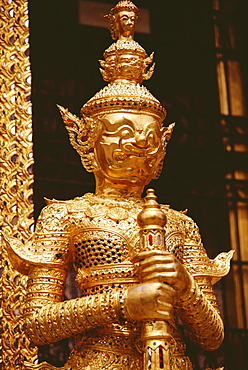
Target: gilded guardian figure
x=121, y=139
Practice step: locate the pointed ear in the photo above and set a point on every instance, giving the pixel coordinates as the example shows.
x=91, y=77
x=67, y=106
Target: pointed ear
x=166, y=134
x=89, y=162
x=81, y=134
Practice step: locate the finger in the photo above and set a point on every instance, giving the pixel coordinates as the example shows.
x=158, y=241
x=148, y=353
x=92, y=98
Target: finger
x=165, y=306
x=164, y=315
x=146, y=254
x=158, y=267
x=169, y=277
x=157, y=260
x=166, y=299
x=166, y=290
x=166, y=310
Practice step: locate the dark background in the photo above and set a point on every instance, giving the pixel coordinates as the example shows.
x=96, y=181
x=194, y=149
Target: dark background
x=64, y=57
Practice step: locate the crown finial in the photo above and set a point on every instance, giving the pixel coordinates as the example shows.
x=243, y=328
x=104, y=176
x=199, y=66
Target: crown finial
x=125, y=60
x=124, y=5
x=123, y=19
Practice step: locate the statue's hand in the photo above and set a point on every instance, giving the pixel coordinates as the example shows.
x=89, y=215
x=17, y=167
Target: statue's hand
x=149, y=301
x=163, y=267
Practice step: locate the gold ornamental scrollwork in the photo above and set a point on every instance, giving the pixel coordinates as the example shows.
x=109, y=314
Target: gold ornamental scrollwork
x=16, y=217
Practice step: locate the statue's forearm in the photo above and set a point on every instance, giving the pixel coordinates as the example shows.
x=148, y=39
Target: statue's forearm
x=201, y=319
x=55, y=321
x=48, y=320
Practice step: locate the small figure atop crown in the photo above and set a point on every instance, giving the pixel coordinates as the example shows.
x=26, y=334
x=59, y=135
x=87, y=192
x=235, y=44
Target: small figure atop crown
x=123, y=19
x=125, y=60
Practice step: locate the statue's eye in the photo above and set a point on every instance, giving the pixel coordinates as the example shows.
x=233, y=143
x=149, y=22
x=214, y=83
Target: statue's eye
x=126, y=134
x=124, y=18
x=151, y=138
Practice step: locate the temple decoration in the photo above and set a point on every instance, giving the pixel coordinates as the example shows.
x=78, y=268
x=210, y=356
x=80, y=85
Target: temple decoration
x=16, y=216
x=139, y=265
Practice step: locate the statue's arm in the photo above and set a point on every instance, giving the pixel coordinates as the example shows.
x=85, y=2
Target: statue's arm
x=49, y=319
x=200, y=315
x=188, y=280
x=46, y=260
x=198, y=307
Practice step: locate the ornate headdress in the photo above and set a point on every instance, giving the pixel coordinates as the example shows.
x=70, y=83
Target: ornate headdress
x=124, y=5
x=125, y=67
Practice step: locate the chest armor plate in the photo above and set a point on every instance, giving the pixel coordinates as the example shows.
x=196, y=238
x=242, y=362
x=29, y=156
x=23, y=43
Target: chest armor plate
x=103, y=245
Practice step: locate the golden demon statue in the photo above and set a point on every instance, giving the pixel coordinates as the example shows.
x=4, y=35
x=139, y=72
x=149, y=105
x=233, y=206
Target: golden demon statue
x=139, y=265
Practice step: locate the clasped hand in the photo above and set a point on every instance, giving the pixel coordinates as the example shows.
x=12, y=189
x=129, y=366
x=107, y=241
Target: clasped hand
x=163, y=279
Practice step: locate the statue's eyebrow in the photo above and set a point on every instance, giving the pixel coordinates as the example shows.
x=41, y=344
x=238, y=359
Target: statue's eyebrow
x=124, y=121
x=116, y=125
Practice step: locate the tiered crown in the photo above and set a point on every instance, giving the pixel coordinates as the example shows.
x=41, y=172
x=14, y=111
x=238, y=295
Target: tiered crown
x=126, y=60
x=124, y=5
x=124, y=97
x=126, y=65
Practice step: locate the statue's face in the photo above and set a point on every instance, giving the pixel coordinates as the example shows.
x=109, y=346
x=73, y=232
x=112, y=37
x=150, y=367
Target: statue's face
x=126, y=23
x=129, y=148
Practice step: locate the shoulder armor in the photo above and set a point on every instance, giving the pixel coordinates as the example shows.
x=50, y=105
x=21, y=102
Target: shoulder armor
x=49, y=245
x=214, y=269
x=195, y=257
x=52, y=218
x=23, y=256
x=51, y=201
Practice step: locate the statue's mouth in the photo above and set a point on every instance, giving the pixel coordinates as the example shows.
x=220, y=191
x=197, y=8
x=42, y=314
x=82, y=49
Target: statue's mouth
x=134, y=149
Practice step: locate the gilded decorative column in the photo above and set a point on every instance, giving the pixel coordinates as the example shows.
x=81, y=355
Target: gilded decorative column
x=16, y=174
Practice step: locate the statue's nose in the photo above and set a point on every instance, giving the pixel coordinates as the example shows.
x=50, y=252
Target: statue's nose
x=140, y=140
